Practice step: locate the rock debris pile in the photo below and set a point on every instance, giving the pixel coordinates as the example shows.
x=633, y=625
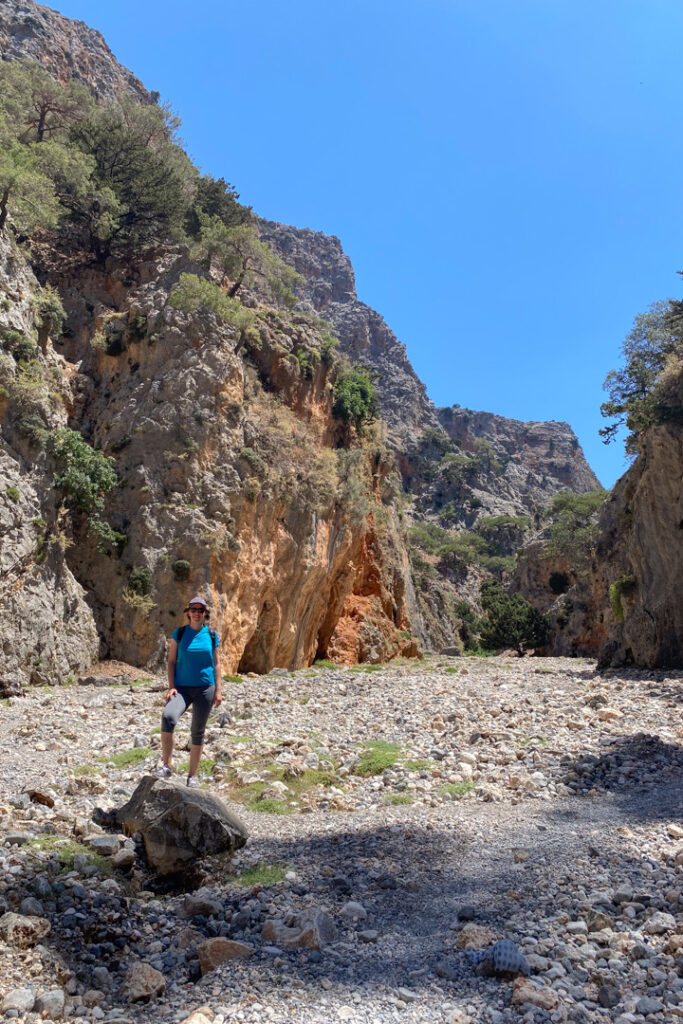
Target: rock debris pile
x=404, y=824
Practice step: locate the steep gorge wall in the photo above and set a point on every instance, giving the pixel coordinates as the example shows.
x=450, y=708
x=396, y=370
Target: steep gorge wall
x=48, y=628
x=67, y=49
x=229, y=471
x=639, y=555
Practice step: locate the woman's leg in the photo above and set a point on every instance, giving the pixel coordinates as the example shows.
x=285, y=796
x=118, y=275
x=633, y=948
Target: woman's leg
x=174, y=709
x=202, y=703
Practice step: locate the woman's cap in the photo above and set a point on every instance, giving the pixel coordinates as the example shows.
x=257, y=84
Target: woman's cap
x=197, y=600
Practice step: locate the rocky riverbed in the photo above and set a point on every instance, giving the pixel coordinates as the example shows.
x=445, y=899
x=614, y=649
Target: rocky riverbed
x=415, y=812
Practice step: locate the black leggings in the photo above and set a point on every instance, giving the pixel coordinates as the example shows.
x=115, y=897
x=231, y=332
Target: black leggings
x=201, y=699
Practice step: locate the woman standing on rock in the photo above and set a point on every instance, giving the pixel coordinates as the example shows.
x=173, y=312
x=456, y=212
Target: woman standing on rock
x=194, y=678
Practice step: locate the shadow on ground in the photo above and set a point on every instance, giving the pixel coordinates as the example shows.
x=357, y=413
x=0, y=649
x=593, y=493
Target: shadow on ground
x=411, y=879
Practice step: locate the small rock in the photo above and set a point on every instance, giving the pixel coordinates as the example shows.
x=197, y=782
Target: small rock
x=608, y=996
x=51, y=1004
x=524, y=991
x=312, y=929
x=659, y=923
x=353, y=911
x=368, y=935
x=649, y=1005
x=198, y=1017
x=104, y=845
x=196, y=904
x=475, y=936
x=23, y=931
x=123, y=859
x=216, y=951
x=142, y=983
x=18, y=838
x=31, y=907
x=19, y=999
x=39, y=796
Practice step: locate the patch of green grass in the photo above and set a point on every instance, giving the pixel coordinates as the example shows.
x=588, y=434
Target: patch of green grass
x=368, y=669
x=66, y=850
x=451, y=668
x=324, y=663
x=232, y=679
x=86, y=769
x=128, y=758
x=4, y=701
x=269, y=806
x=261, y=874
x=417, y=765
x=304, y=699
x=396, y=799
x=376, y=756
x=456, y=789
x=240, y=739
x=156, y=731
x=146, y=681
x=206, y=766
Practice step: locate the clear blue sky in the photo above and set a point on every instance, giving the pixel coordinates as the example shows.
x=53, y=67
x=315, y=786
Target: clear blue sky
x=505, y=177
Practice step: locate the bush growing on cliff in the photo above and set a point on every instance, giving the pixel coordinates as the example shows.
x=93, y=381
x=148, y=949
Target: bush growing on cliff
x=637, y=393
x=84, y=476
x=197, y=294
x=574, y=520
x=355, y=398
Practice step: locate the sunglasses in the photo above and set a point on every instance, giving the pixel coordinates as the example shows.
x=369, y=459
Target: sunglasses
x=194, y=608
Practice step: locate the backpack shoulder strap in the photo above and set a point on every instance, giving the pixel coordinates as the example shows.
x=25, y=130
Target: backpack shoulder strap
x=214, y=638
x=180, y=634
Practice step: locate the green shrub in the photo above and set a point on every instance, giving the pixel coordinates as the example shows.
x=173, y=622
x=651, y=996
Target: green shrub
x=355, y=398
x=510, y=620
x=49, y=310
x=139, y=581
x=624, y=586
x=197, y=294
x=181, y=569
x=13, y=493
x=84, y=474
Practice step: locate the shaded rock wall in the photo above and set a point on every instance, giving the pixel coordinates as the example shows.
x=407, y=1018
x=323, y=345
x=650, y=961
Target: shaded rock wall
x=640, y=556
x=48, y=629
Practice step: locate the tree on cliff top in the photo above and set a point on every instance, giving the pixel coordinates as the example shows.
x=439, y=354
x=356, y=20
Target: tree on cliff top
x=637, y=393
x=244, y=259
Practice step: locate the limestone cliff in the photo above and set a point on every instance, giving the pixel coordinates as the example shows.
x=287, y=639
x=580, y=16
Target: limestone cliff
x=639, y=555
x=231, y=482
x=329, y=290
x=533, y=460
x=67, y=49
x=48, y=629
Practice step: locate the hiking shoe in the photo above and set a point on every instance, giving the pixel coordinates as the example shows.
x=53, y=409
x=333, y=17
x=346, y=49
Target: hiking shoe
x=192, y=781
x=164, y=772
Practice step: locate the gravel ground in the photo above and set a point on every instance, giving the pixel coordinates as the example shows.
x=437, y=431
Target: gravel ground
x=531, y=800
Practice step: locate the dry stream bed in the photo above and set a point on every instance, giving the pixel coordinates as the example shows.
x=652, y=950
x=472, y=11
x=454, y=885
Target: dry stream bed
x=424, y=807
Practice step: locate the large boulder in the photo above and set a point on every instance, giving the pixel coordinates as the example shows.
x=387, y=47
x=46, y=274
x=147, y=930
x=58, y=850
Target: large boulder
x=179, y=825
